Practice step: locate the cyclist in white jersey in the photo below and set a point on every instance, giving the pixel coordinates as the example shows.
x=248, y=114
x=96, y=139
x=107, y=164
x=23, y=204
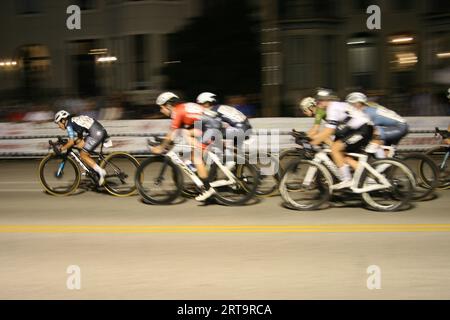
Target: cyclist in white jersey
x=352, y=130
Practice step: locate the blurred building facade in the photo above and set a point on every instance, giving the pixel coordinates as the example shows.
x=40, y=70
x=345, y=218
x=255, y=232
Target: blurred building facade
x=308, y=44
x=121, y=45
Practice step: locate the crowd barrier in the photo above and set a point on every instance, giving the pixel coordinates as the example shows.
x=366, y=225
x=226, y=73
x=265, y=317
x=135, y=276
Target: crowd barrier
x=31, y=139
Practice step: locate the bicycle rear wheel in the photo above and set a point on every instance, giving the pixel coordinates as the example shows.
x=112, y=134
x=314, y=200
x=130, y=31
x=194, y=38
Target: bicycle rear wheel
x=392, y=198
x=120, y=172
x=158, y=180
x=438, y=156
x=305, y=185
x=244, y=188
x=59, y=175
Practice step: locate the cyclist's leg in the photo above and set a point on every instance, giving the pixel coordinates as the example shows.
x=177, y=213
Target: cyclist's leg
x=87, y=147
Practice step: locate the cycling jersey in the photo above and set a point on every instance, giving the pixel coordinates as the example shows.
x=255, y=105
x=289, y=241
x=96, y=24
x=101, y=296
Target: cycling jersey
x=232, y=116
x=341, y=113
x=390, y=126
x=321, y=114
x=80, y=125
x=184, y=115
x=381, y=116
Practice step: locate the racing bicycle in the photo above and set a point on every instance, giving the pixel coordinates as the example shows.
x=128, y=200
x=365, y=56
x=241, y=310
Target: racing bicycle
x=425, y=175
x=160, y=178
x=384, y=185
x=60, y=173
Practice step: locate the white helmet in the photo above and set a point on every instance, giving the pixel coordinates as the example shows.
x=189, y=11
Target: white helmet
x=307, y=103
x=206, y=97
x=165, y=97
x=355, y=97
x=62, y=114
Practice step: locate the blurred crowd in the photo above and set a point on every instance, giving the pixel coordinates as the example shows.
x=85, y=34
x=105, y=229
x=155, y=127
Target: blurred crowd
x=420, y=102
x=104, y=108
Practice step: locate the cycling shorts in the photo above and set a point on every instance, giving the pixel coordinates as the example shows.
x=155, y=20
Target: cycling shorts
x=355, y=140
x=393, y=134
x=97, y=134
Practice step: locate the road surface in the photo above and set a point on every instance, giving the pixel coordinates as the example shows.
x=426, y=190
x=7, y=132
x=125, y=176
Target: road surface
x=125, y=249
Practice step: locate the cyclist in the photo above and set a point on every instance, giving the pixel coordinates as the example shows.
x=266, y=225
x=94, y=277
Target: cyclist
x=235, y=124
x=77, y=127
x=352, y=130
x=185, y=115
x=390, y=128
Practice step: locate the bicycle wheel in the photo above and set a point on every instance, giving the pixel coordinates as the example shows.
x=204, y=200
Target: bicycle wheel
x=392, y=198
x=59, y=175
x=246, y=178
x=120, y=172
x=158, y=180
x=425, y=172
x=305, y=185
x=438, y=156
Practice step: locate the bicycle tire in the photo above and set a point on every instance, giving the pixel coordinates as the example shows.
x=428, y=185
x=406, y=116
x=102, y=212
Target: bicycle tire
x=109, y=185
x=324, y=182
x=241, y=188
x=73, y=187
x=443, y=182
x=406, y=195
x=175, y=175
x=426, y=186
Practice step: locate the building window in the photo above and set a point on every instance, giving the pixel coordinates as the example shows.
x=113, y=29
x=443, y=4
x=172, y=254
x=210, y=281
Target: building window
x=297, y=64
x=29, y=6
x=329, y=61
x=140, y=60
x=362, y=55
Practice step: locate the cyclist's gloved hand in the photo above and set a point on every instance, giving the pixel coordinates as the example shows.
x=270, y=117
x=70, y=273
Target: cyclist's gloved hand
x=157, y=150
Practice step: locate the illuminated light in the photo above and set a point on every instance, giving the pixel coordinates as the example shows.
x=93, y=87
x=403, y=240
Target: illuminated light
x=2, y=64
x=8, y=63
x=98, y=51
x=406, y=58
x=14, y=63
x=443, y=55
x=402, y=40
x=107, y=59
x=172, y=62
x=356, y=42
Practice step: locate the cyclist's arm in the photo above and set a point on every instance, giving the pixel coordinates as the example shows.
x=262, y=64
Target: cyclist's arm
x=323, y=136
x=72, y=137
x=314, y=131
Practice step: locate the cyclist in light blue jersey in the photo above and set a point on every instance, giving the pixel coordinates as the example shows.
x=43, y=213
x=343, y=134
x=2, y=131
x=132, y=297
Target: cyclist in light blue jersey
x=390, y=128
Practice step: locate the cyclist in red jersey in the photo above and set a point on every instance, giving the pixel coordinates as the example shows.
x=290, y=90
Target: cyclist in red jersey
x=184, y=116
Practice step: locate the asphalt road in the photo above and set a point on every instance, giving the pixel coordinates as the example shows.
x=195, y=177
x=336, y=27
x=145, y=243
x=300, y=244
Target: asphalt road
x=128, y=250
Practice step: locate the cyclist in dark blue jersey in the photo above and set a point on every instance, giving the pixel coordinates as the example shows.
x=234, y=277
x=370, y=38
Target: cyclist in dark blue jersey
x=86, y=134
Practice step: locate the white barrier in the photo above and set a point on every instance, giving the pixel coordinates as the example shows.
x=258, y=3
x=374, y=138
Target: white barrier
x=31, y=139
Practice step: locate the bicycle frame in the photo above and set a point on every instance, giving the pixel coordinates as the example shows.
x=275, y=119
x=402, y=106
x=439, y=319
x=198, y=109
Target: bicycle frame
x=175, y=158
x=323, y=158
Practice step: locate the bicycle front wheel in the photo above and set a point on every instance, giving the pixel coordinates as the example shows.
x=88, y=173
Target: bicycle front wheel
x=394, y=197
x=59, y=175
x=120, y=172
x=425, y=172
x=439, y=155
x=305, y=185
x=158, y=180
